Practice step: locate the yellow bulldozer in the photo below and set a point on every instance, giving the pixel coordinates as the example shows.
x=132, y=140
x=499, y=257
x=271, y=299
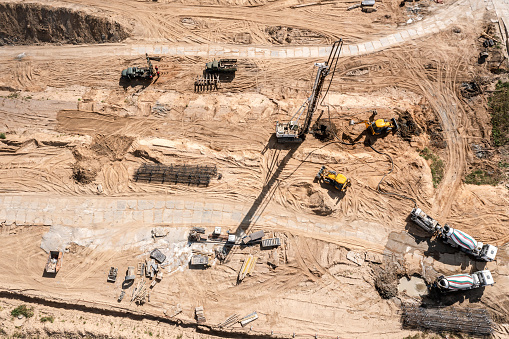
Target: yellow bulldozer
x=337, y=180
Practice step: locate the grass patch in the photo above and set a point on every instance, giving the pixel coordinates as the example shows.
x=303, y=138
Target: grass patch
x=2, y=136
x=48, y=318
x=480, y=177
x=436, y=165
x=24, y=310
x=499, y=105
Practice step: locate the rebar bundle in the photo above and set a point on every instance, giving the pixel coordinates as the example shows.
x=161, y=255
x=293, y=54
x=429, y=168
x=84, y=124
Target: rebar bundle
x=183, y=174
x=474, y=321
x=206, y=83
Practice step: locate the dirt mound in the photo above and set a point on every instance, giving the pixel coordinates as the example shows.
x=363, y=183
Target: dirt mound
x=84, y=172
x=324, y=130
x=114, y=147
x=289, y=35
x=22, y=23
x=387, y=279
x=407, y=126
x=318, y=204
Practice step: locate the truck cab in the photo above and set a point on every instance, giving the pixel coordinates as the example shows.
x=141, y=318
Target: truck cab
x=488, y=252
x=485, y=278
x=424, y=221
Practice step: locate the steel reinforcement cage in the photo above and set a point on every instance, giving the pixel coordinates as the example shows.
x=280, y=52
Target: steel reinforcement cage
x=175, y=174
x=475, y=321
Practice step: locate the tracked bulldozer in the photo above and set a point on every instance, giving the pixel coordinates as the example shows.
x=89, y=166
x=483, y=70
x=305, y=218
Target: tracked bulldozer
x=337, y=180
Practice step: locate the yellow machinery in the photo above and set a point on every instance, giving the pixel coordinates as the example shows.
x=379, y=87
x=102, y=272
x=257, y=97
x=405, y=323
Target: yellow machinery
x=379, y=126
x=339, y=181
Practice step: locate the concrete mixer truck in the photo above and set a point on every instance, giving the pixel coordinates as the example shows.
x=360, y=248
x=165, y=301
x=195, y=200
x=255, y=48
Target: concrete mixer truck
x=461, y=282
x=454, y=237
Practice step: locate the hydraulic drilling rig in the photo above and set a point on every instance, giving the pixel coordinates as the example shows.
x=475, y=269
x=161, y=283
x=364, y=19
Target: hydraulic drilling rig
x=294, y=131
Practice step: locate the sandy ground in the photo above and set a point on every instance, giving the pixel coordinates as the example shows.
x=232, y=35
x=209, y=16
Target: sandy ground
x=64, y=114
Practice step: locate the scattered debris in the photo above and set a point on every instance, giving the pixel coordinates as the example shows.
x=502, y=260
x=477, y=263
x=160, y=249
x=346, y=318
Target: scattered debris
x=112, y=275
x=247, y=267
x=200, y=260
x=129, y=274
x=159, y=232
x=200, y=316
x=177, y=311
x=253, y=237
x=270, y=243
x=141, y=269
x=230, y=321
x=140, y=293
x=273, y=260
x=121, y=296
x=158, y=256
x=248, y=318
x=470, y=89
x=374, y=258
x=356, y=257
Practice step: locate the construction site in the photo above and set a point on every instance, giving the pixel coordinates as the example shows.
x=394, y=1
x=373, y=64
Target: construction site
x=254, y=169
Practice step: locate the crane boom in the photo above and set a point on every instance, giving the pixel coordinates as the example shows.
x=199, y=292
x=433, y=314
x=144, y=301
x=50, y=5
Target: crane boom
x=293, y=131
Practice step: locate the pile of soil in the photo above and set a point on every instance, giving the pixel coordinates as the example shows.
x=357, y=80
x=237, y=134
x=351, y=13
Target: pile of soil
x=288, y=35
x=114, y=147
x=324, y=130
x=435, y=131
x=29, y=23
x=318, y=204
x=407, y=126
x=84, y=172
x=387, y=279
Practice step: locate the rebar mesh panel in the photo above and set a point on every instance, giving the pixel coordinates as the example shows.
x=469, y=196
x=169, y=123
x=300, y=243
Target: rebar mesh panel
x=175, y=174
x=476, y=321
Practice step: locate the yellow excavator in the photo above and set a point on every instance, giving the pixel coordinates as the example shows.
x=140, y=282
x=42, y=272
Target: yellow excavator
x=378, y=126
x=339, y=181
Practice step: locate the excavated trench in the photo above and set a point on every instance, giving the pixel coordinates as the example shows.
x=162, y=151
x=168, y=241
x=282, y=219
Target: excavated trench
x=30, y=23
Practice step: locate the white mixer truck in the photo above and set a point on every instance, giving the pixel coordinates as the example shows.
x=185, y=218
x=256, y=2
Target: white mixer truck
x=454, y=237
x=461, y=282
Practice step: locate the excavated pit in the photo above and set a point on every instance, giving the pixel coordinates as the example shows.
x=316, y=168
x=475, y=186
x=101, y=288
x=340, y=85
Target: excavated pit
x=30, y=23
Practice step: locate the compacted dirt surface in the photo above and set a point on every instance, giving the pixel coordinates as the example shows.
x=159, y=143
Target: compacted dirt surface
x=74, y=135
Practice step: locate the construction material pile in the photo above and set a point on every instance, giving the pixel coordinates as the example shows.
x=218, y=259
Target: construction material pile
x=474, y=321
x=176, y=174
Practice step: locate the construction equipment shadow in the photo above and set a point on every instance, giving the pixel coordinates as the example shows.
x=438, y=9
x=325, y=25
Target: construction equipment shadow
x=127, y=284
x=126, y=83
x=276, y=167
x=48, y=275
x=333, y=193
x=226, y=77
x=441, y=251
x=369, y=138
x=435, y=298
